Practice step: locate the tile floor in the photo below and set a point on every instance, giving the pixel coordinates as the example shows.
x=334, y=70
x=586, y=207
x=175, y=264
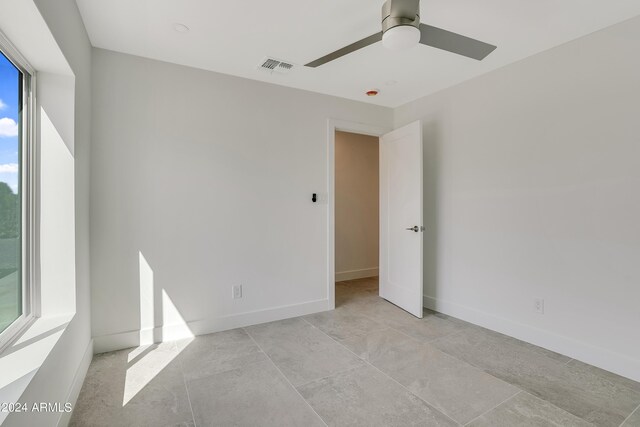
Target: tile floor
x=367, y=363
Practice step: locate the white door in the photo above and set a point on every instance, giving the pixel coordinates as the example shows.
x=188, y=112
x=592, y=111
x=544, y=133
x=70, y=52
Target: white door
x=401, y=228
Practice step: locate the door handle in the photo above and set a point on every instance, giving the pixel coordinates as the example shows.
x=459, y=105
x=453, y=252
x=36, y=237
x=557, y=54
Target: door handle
x=416, y=228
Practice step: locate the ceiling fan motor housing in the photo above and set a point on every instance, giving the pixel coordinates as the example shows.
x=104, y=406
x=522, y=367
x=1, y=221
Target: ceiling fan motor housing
x=396, y=13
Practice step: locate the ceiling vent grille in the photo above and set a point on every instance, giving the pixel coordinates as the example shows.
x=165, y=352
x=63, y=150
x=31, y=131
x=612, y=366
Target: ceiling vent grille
x=272, y=65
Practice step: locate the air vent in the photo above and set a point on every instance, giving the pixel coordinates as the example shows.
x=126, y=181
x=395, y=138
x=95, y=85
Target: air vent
x=272, y=65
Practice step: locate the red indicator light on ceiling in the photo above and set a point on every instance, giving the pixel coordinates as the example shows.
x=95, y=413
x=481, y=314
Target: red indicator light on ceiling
x=372, y=92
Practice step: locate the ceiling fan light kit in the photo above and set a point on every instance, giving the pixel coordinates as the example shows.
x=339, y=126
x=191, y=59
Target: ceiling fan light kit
x=401, y=29
x=400, y=24
x=401, y=37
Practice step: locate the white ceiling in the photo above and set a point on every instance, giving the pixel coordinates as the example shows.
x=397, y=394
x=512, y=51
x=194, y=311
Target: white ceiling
x=233, y=36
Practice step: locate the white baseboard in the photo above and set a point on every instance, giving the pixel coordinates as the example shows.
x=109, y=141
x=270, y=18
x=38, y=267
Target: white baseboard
x=76, y=385
x=587, y=353
x=130, y=339
x=356, y=274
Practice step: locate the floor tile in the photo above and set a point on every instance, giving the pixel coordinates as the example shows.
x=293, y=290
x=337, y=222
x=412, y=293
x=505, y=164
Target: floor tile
x=369, y=346
x=633, y=420
x=341, y=324
x=456, y=388
x=254, y=395
x=366, y=397
x=577, y=390
x=584, y=392
x=383, y=311
x=527, y=410
x=210, y=354
x=347, y=295
x=430, y=327
x=633, y=385
x=538, y=350
x=301, y=351
x=131, y=387
x=426, y=329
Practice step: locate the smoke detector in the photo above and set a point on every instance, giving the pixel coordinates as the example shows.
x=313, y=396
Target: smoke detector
x=273, y=65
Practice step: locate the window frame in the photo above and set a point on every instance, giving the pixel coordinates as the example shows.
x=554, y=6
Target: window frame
x=28, y=195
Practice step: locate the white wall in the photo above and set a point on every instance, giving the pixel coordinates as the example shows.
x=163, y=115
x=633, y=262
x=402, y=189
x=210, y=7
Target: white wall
x=201, y=181
x=356, y=205
x=532, y=177
x=64, y=132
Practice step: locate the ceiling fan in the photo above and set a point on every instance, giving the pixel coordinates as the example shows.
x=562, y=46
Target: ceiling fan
x=401, y=28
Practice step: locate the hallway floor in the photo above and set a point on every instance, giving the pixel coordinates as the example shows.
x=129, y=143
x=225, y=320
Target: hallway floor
x=367, y=363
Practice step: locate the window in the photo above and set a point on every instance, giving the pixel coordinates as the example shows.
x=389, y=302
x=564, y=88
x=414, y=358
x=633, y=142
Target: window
x=16, y=206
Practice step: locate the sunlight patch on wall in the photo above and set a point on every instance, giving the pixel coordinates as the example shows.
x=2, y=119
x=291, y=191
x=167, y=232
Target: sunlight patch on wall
x=57, y=221
x=147, y=312
x=147, y=361
x=174, y=326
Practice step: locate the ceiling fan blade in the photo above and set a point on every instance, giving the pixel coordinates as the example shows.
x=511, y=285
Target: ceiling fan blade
x=455, y=43
x=346, y=50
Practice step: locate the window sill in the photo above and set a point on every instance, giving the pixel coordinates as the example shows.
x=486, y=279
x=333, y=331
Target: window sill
x=20, y=361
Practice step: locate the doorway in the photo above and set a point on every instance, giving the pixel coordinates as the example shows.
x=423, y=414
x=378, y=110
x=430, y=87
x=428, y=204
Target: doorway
x=334, y=126
x=357, y=217
x=400, y=215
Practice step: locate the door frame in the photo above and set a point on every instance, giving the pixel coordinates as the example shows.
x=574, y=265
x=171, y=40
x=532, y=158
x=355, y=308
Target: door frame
x=334, y=125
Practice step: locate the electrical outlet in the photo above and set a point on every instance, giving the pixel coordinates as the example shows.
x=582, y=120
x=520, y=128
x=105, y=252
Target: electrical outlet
x=236, y=291
x=538, y=305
